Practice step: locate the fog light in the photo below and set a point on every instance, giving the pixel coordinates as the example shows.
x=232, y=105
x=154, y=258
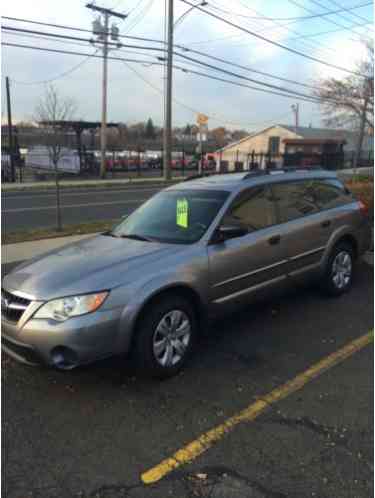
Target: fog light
x=63, y=358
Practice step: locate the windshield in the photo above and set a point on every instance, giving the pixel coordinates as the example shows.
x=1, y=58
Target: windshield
x=175, y=216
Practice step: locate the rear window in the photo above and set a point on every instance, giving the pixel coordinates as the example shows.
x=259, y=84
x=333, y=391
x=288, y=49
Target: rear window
x=331, y=193
x=295, y=199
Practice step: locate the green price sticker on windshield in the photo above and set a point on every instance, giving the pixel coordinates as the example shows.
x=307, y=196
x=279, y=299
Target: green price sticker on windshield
x=182, y=213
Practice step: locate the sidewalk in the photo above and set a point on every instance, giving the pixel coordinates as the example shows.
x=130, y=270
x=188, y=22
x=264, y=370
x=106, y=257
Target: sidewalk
x=12, y=187
x=26, y=250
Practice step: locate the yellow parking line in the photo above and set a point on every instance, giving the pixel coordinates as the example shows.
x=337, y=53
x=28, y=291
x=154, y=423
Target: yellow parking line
x=192, y=450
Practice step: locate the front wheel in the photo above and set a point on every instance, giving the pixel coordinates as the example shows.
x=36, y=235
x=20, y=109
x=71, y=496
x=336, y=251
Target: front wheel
x=165, y=337
x=339, y=271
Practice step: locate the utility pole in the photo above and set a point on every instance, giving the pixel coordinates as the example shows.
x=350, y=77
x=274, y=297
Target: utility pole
x=102, y=30
x=200, y=164
x=295, y=109
x=10, y=131
x=366, y=98
x=167, y=137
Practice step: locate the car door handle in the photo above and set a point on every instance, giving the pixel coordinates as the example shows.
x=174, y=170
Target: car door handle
x=274, y=240
x=325, y=223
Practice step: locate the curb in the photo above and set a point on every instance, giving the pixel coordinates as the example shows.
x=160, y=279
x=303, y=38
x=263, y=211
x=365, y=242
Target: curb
x=87, y=184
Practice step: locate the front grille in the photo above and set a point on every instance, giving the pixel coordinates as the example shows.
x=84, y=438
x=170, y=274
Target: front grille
x=26, y=353
x=12, y=306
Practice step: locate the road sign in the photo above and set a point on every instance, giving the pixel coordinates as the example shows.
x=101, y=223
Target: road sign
x=202, y=119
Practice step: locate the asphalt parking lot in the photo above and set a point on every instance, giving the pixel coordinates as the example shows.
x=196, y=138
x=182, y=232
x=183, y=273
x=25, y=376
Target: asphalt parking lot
x=94, y=431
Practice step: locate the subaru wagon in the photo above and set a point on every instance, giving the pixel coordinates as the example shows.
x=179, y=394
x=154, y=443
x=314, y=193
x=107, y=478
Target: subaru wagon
x=193, y=250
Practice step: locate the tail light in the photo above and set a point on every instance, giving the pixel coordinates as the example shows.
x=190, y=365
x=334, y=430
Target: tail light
x=363, y=208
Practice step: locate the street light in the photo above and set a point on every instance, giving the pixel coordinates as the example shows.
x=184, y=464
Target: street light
x=180, y=19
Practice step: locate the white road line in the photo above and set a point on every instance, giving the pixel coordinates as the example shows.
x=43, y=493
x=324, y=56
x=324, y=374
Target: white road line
x=66, y=194
x=70, y=206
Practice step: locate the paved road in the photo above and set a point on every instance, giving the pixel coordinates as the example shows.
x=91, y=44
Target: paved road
x=93, y=431
x=28, y=210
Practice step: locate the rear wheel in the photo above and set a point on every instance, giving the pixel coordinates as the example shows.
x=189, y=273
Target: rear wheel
x=165, y=336
x=339, y=271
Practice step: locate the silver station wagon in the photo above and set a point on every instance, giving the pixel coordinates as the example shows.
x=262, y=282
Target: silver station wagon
x=193, y=250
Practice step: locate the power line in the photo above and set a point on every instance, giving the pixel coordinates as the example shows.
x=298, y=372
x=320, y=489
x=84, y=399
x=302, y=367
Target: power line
x=252, y=70
x=210, y=115
x=218, y=59
x=61, y=75
x=309, y=35
x=331, y=21
x=69, y=37
x=301, y=36
x=294, y=19
x=252, y=80
x=140, y=16
x=179, y=46
x=272, y=42
x=55, y=50
x=330, y=31
x=186, y=57
x=153, y=40
x=290, y=94
x=319, y=4
x=308, y=44
x=311, y=99
x=134, y=8
x=354, y=14
x=75, y=43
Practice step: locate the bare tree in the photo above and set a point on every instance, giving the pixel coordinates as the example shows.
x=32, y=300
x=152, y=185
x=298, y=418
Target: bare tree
x=349, y=102
x=343, y=100
x=52, y=113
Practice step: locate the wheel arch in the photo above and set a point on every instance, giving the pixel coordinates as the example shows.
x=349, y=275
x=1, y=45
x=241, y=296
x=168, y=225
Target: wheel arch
x=351, y=240
x=342, y=235
x=182, y=290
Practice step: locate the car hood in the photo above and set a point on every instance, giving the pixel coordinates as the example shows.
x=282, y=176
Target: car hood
x=99, y=263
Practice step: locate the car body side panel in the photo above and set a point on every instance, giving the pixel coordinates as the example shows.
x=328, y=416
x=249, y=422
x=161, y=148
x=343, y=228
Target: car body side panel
x=240, y=264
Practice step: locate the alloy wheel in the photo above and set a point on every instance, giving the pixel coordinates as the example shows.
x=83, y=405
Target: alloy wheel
x=342, y=269
x=171, y=338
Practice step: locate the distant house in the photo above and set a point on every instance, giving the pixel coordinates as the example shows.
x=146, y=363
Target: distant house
x=280, y=140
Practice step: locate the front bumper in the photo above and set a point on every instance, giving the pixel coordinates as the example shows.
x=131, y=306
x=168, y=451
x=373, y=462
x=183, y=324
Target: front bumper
x=64, y=345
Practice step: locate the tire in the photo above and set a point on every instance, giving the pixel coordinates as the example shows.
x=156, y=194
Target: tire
x=338, y=277
x=161, y=349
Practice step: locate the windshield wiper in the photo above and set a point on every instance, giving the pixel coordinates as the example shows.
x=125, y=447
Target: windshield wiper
x=109, y=234
x=137, y=237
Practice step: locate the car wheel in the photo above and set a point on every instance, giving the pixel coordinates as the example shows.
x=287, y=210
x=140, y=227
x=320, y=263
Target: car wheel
x=165, y=337
x=339, y=271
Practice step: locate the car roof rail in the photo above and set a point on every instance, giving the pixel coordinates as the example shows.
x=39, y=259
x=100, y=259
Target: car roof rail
x=280, y=171
x=196, y=177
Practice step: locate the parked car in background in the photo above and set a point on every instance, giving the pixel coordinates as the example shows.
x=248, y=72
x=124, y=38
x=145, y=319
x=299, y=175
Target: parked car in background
x=192, y=251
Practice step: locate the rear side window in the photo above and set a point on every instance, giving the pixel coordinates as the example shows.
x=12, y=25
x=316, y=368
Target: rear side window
x=295, y=199
x=253, y=208
x=331, y=193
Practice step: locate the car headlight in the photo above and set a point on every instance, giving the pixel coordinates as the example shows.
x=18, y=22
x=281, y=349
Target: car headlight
x=67, y=307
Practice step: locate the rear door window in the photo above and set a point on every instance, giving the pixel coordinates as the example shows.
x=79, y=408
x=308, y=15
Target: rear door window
x=295, y=199
x=254, y=208
x=331, y=193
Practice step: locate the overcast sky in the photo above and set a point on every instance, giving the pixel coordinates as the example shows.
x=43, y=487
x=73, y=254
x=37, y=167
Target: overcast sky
x=131, y=99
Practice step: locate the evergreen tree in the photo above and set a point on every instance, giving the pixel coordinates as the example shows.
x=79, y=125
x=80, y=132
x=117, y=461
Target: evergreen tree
x=150, y=129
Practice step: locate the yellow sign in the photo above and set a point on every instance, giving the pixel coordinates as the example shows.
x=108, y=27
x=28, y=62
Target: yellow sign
x=202, y=119
x=182, y=211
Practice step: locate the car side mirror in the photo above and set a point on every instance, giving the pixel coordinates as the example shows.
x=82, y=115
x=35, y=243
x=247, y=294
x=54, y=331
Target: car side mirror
x=225, y=232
